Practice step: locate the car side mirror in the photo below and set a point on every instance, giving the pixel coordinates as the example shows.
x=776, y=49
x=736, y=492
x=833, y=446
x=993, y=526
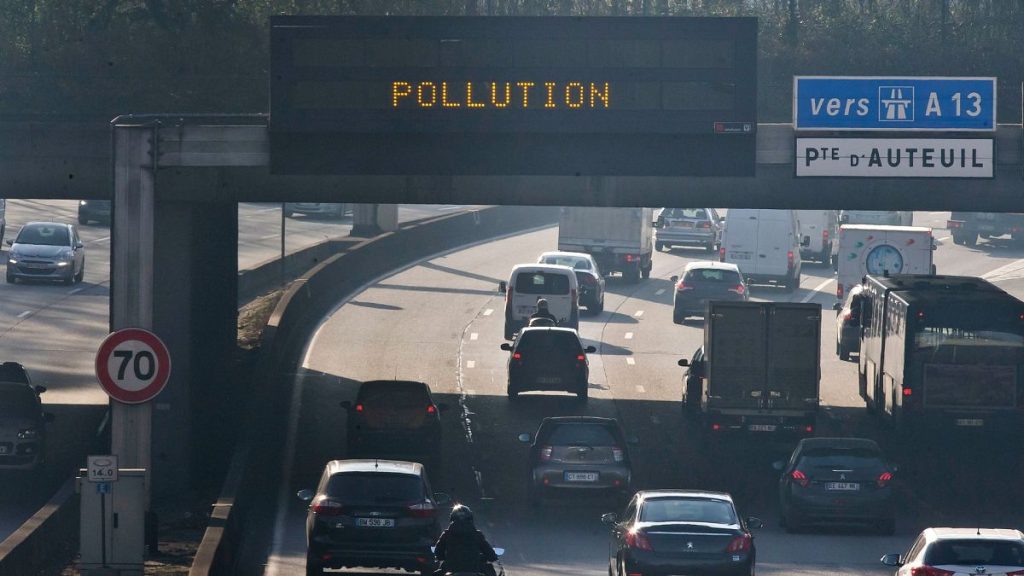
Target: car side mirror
x=683, y=362
x=610, y=518
x=506, y=346
x=805, y=241
x=754, y=523
x=502, y=287
x=656, y=224
x=590, y=349
x=892, y=560
x=441, y=498
x=305, y=494
x=837, y=306
x=673, y=279
x=499, y=552
x=79, y=244
x=778, y=465
x=10, y=242
x=345, y=404
x=844, y=219
x=40, y=389
x=526, y=438
x=48, y=417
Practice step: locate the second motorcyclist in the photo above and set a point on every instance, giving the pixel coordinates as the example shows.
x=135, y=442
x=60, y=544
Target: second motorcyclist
x=463, y=548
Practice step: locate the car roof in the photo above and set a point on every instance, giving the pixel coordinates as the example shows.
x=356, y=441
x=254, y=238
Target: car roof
x=378, y=466
x=529, y=329
x=811, y=443
x=669, y=493
x=542, y=268
x=568, y=254
x=13, y=372
x=706, y=265
x=45, y=223
x=393, y=384
x=949, y=533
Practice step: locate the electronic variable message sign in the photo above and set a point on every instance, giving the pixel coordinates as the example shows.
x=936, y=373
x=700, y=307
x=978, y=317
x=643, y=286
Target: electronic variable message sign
x=513, y=96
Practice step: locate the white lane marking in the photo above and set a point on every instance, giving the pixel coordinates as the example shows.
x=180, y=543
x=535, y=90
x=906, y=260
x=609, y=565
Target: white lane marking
x=488, y=312
x=629, y=335
x=24, y=314
x=76, y=291
x=446, y=208
x=1010, y=271
x=98, y=240
x=640, y=389
x=470, y=363
x=474, y=336
x=659, y=292
x=817, y=289
x=639, y=313
x=274, y=209
x=630, y=361
x=269, y=236
x=944, y=238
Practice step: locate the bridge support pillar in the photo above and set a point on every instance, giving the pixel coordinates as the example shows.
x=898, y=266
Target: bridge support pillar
x=372, y=219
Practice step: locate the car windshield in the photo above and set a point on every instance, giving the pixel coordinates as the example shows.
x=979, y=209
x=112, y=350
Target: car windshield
x=716, y=275
x=44, y=235
x=17, y=402
x=375, y=488
x=542, y=283
x=692, y=213
x=574, y=262
x=582, y=434
x=393, y=394
x=555, y=341
x=975, y=552
x=687, y=510
x=846, y=458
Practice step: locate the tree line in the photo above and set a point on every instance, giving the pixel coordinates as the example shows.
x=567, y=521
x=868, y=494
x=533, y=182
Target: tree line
x=99, y=58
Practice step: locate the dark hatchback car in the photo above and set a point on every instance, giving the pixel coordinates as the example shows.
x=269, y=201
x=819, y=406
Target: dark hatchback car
x=848, y=324
x=704, y=281
x=372, y=514
x=578, y=454
x=664, y=532
x=394, y=419
x=548, y=359
x=22, y=420
x=94, y=211
x=837, y=481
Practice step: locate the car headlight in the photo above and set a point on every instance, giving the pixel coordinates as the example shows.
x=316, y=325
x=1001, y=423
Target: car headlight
x=12, y=259
x=83, y=202
x=28, y=434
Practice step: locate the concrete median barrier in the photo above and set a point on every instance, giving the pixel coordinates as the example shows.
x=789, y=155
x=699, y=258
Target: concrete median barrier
x=256, y=466
x=47, y=540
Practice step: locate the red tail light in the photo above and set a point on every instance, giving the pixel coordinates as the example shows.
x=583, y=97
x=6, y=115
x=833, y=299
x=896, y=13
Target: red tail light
x=800, y=478
x=638, y=541
x=721, y=254
x=716, y=427
x=323, y=506
x=618, y=454
x=704, y=225
x=824, y=235
x=884, y=479
x=359, y=407
x=789, y=259
x=739, y=544
x=573, y=296
x=847, y=315
x=508, y=295
x=581, y=358
x=682, y=287
x=953, y=224
x=517, y=356
x=738, y=289
x=839, y=291
x=809, y=429
x=425, y=509
x=930, y=571
x=588, y=279
x=545, y=453
x=908, y=392
x=431, y=409
x=1015, y=573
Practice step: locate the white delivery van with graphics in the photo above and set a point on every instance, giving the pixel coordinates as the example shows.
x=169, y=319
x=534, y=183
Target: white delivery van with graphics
x=881, y=250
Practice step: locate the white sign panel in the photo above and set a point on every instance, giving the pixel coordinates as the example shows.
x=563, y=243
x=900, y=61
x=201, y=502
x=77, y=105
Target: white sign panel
x=894, y=158
x=102, y=468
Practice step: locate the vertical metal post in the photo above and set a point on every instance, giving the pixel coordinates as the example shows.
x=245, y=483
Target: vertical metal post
x=131, y=282
x=284, y=269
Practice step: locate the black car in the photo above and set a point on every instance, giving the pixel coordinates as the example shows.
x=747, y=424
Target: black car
x=578, y=454
x=94, y=211
x=372, y=514
x=394, y=419
x=681, y=532
x=22, y=420
x=543, y=358
x=837, y=480
x=704, y=281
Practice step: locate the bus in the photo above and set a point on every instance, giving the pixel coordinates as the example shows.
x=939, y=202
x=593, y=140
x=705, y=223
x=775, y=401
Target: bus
x=942, y=353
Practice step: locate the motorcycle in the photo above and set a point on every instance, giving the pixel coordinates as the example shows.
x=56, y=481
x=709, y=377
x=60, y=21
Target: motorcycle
x=500, y=568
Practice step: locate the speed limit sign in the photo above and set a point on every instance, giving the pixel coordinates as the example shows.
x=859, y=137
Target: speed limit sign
x=133, y=365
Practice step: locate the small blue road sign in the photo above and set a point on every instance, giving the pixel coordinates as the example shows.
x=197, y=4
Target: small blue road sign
x=103, y=488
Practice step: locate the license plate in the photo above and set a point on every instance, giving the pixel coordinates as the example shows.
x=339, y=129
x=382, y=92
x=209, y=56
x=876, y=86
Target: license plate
x=3, y=449
x=970, y=422
x=36, y=266
x=761, y=427
x=843, y=486
x=581, y=476
x=740, y=255
x=682, y=225
x=375, y=522
x=549, y=380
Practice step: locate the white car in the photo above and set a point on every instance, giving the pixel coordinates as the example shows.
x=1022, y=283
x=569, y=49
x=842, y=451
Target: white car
x=529, y=283
x=949, y=551
x=588, y=276
x=765, y=245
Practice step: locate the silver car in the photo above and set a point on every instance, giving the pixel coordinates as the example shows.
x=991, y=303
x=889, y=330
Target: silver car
x=46, y=251
x=688, y=227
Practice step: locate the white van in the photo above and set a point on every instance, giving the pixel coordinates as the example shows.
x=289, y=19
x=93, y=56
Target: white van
x=877, y=217
x=765, y=244
x=881, y=250
x=821, y=226
x=531, y=282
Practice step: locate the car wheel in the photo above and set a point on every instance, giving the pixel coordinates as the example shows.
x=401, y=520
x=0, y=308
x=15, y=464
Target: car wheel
x=70, y=279
x=660, y=247
x=598, y=307
x=692, y=404
x=509, y=333
x=645, y=273
x=844, y=354
x=632, y=275
x=313, y=567
x=678, y=318
x=513, y=394
x=81, y=274
x=11, y=279
x=971, y=240
x=584, y=393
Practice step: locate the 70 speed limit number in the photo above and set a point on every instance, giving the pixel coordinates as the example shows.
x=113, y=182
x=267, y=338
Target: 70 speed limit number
x=133, y=365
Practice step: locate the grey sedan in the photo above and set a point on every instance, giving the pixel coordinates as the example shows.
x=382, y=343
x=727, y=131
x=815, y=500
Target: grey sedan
x=46, y=251
x=688, y=227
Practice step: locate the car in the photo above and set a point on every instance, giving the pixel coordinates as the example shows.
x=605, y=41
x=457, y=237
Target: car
x=687, y=227
x=837, y=480
x=681, y=532
x=22, y=420
x=578, y=454
x=704, y=281
x=372, y=514
x=94, y=210
x=848, y=324
x=589, y=277
x=950, y=551
x=548, y=359
x=3, y=218
x=46, y=251
x=394, y=419
x=765, y=244
x=330, y=210
x=529, y=283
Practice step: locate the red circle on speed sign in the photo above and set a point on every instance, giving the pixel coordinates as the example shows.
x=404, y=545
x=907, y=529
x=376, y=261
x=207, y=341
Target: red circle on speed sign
x=133, y=365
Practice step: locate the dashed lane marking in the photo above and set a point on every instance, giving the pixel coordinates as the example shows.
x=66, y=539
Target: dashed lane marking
x=630, y=361
x=489, y=311
x=659, y=292
x=640, y=389
x=24, y=314
x=269, y=236
x=98, y=240
x=76, y=290
x=470, y=363
x=629, y=335
x=474, y=336
x=639, y=313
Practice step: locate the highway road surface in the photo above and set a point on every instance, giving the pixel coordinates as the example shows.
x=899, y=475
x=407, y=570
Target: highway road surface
x=440, y=321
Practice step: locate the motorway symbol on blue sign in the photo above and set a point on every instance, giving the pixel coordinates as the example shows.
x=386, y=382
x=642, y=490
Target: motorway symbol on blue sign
x=103, y=488
x=894, y=103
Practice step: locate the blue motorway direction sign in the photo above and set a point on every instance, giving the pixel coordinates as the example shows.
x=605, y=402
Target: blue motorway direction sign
x=894, y=103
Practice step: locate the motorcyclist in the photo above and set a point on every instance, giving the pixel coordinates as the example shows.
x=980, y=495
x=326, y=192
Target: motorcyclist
x=543, y=312
x=463, y=548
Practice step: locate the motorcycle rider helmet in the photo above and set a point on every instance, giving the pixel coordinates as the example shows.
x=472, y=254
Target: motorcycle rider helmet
x=542, y=304
x=461, y=514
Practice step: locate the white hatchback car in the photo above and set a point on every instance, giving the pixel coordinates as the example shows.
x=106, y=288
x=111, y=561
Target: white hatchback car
x=529, y=283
